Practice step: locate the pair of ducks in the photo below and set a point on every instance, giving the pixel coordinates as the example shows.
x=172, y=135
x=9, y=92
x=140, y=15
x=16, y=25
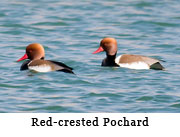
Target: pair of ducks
x=36, y=54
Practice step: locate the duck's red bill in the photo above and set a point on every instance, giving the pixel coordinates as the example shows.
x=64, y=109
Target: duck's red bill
x=23, y=58
x=100, y=49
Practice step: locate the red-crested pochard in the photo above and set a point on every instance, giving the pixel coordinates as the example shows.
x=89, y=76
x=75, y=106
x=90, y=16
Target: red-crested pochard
x=109, y=45
x=36, y=54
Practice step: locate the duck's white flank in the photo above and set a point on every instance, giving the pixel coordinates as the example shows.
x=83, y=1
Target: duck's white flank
x=134, y=65
x=40, y=68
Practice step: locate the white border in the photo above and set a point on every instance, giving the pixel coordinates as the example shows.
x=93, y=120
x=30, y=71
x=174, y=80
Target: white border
x=19, y=124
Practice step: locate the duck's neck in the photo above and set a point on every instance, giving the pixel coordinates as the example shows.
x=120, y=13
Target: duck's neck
x=42, y=58
x=110, y=61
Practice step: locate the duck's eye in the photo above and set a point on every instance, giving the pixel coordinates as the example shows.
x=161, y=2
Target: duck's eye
x=29, y=51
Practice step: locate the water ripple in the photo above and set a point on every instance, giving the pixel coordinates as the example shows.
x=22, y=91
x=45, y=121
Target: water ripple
x=70, y=32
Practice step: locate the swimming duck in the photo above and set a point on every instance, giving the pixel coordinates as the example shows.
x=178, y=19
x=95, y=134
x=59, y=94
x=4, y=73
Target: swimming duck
x=35, y=54
x=109, y=45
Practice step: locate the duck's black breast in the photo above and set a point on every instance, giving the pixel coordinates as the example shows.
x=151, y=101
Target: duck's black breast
x=24, y=66
x=110, y=61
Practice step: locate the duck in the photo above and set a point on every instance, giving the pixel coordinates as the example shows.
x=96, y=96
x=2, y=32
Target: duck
x=35, y=54
x=109, y=45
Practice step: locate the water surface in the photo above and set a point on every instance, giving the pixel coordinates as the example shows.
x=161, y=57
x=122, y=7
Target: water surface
x=70, y=31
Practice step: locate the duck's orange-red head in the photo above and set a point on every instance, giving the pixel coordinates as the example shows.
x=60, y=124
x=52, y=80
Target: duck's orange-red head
x=33, y=51
x=109, y=45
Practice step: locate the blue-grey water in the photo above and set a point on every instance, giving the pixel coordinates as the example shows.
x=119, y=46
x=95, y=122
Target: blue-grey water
x=70, y=31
